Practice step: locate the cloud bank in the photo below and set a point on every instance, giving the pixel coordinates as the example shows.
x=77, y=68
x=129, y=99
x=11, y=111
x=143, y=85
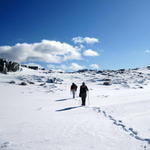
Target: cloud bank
x=53, y=53
x=46, y=50
x=72, y=66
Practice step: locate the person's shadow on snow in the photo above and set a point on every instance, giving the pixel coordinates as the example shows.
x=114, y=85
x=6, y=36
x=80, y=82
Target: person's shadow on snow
x=65, y=99
x=68, y=108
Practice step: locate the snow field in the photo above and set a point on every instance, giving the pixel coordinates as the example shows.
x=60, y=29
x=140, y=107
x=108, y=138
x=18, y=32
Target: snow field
x=46, y=117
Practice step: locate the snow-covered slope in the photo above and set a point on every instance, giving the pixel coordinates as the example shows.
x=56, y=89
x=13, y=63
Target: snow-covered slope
x=42, y=114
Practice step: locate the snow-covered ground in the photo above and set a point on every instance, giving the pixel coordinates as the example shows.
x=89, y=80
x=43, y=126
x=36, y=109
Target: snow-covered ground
x=43, y=116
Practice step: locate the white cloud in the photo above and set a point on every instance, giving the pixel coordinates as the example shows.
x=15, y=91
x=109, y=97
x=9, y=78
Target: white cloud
x=72, y=66
x=94, y=66
x=75, y=67
x=147, y=51
x=47, y=51
x=87, y=40
x=90, y=52
x=57, y=68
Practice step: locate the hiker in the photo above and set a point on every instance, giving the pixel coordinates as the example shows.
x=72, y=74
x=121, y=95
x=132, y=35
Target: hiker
x=83, y=93
x=73, y=89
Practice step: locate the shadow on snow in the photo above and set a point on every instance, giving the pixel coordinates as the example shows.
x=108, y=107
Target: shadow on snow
x=65, y=99
x=68, y=108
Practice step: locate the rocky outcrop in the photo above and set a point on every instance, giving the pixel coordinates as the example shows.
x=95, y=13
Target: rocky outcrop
x=148, y=67
x=33, y=67
x=107, y=83
x=23, y=83
x=25, y=66
x=8, y=66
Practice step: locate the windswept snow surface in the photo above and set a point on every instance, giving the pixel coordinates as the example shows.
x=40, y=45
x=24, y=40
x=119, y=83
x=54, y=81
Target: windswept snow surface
x=43, y=116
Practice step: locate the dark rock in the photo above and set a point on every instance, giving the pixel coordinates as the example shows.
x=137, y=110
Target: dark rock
x=23, y=83
x=8, y=66
x=51, y=80
x=148, y=67
x=99, y=71
x=135, y=69
x=42, y=68
x=107, y=83
x=14, y=67
x=50, y=71
x=54, y=80
x=30, y=82
x=140, y=87
x=12, y=82
x=33, y=67
x=24, y=66
x=121, y=71
x=42, y=84
x=83, y=70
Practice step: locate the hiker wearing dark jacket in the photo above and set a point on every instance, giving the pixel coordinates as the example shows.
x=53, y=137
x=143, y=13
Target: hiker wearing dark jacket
x=73, y=89
x=83, y=93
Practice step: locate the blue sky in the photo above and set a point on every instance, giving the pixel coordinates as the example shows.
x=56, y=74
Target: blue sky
x=122, y=28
